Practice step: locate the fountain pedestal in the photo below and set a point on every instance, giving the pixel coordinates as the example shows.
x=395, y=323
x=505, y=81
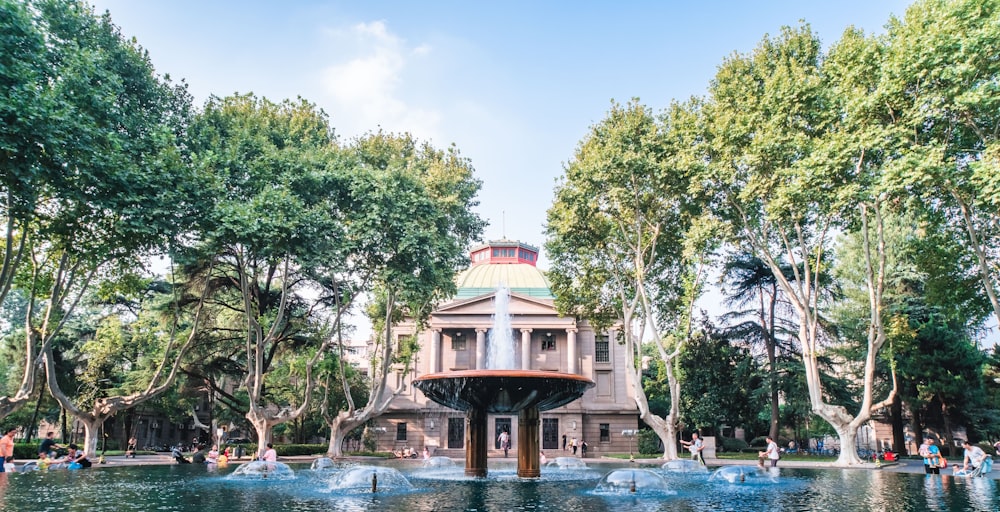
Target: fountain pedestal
x=525, y=392
x=528, y=463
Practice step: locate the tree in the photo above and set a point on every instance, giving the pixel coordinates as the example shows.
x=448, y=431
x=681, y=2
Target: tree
x=941, y=75
x=410, y=233
x=275, y=217
x=625, y=243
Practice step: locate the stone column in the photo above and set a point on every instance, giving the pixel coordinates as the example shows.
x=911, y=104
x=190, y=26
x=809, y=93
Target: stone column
x=435, y=365
x=528, y=451
x=525, y=349
x=571, y=350
x=480, y=349
x=475, y=443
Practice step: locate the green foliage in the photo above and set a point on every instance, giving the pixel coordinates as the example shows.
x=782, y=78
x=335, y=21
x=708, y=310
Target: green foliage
x=732, y=444
x=648, y=442
x=291, y=450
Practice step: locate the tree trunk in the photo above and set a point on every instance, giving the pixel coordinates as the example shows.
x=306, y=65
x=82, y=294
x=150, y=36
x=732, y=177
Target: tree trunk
x=91, y=434
x=898, y=433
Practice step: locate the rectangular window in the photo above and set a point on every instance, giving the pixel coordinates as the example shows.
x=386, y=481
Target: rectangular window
x=602, y=350
x=458, y=342
x=456, y=433
x=550, y=434
x=548, y=341
x=605, y=432
x=401, y=431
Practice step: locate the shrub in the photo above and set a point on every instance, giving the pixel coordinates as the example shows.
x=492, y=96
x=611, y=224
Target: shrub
x=732, y=444
x=300, y=449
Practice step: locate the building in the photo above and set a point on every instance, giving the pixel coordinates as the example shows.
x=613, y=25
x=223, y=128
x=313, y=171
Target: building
x=456, y=337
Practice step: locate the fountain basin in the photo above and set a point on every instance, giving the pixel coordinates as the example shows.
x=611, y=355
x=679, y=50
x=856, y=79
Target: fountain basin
x=502, y=391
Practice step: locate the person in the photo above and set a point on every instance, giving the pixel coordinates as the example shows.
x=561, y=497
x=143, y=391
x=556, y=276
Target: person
x=931, y=454
x=270, y=455
x=47, y=446
x=583, y=448
x=771, y=453
x=541, y=457
x=133, y=444
x=7, y=448
x=996, y=446
x=974, y=457
x=564, y=444
x=178, y=456
x=199, y=456
x=504, y=440
x=75, y=456
x=696, y=445
x=426, y=453
x=213, y=455
x=572, y=445
x=239, y=451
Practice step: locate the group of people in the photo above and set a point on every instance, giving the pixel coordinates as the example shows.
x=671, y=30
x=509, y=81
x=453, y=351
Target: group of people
x=573, y=444
x=48, y=455
x=974, y=461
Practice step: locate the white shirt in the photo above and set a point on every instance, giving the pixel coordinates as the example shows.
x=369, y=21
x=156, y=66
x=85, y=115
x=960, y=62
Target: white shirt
x=772, y=451
x=270, y=455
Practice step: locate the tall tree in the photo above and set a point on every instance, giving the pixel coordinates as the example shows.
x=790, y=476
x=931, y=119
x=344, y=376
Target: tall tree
x=624, y=241
x=276, y=216
x=410, y=232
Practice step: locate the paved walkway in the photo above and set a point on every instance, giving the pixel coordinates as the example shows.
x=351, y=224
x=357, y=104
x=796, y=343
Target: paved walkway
x=904, y=466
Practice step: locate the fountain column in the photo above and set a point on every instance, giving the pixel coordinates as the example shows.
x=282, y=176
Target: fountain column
x=481, y=349
x=525, y=349
x=435, y=350
x=475, y=442
x=571, y=350
x=528, y=465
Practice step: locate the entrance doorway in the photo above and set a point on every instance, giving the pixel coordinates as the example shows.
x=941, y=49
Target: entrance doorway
x=550, y=433
x=456, y=433
x=501, y=425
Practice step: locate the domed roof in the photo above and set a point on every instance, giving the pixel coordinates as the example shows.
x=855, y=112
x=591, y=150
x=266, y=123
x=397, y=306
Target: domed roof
x=520, y=278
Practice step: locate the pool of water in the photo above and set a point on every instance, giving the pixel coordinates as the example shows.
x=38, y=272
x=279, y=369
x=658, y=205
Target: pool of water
x=596, y=488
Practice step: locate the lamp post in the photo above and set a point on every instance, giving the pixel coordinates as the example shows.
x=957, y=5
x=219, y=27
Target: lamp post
x=630, y=433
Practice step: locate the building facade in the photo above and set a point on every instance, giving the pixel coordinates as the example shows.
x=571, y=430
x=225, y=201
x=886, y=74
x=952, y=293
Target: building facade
x=456, y=338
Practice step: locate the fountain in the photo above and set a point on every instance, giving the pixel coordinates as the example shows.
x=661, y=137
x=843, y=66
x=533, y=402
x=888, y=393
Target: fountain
x=501, y=389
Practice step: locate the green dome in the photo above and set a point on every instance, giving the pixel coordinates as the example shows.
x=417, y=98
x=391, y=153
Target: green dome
x=520, y=278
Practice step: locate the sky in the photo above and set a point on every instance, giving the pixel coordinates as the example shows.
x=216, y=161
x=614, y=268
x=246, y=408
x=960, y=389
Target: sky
x=514, y=85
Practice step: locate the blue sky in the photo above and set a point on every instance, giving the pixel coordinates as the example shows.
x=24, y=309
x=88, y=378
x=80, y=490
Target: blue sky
x=514, y=85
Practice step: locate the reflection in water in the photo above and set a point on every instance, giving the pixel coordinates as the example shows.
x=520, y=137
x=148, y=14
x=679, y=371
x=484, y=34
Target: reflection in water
x=194, y=488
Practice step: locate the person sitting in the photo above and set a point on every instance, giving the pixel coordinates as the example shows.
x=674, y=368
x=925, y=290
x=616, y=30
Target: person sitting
x=47, y=446
x=199, y=456
x=76, y=457
x=178, y=456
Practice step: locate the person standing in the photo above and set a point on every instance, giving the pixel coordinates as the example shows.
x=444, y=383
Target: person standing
x=583, y=448
x=7, y=447
x=572, y=445
x=270, y=455
x=564, y=444
x=696, y=445
x=772, y=453
x=504, y=440
x=931, y=455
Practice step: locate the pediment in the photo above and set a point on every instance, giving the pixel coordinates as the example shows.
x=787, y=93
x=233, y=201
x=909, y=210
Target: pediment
x=483, y=305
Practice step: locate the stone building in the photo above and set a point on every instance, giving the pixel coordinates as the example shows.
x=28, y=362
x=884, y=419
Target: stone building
x=456, y=339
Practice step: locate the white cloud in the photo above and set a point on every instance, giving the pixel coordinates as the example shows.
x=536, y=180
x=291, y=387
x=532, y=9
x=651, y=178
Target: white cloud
x=368, y=83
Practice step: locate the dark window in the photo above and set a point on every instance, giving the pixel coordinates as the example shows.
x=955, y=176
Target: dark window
x=548, y=341
x=602, y=352
x=458, y=342
x=605, y=432
x=401, y=431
